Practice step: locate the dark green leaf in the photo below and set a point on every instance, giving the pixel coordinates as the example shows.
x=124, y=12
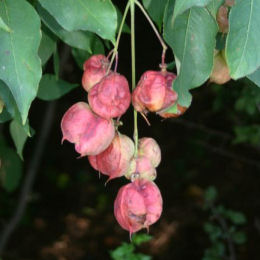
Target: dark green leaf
x=192, y=38
x=81, y=56
x=210, y=194
x=237, y=218
x=56, y=63
x=90, y=15
x=7, y=98
x=122, y=252
x=20, y=66
x=156, y=10
x=239, y=237
x=181, y=6
x=255, y=77
x=249, y=99
x=19, y=136
x=243, y=48
x=77, y=39
x=52, y=88
x=5, y=116
x=138, y=239
x=47, y=46
x=247, y=134
x=10, y=168
x=214, y=231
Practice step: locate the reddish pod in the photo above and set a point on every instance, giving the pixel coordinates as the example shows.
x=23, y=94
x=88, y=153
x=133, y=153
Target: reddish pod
x=95, y=68
x=110, y=97
x=149, y=148
x=90, y=133
x=138, y=205
x=154, y=91
x=171, y=96
x=115, y=160
x=149, y=93
x=141, y=168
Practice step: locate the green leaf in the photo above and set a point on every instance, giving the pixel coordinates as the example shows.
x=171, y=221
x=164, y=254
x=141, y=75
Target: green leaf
x=237, y=218
x=181, y=6
x=138, y=239
x=213, y=7
x=122, y=252
x=239, y=237
x=20, y=66
x=210, y=194
x=47, y=45
x=3, y=26
x=5, y=116
x=249, y=99
x=255, y=77
x=11, y=168
x=7, y=97
x=77, y=39
x=192, y=39
x=247, y=134
x=91, y=15
x=19, y=136
x=81, y=56
x=156, y=10
x=52, y=88
x=56, y=63
x=243, y=48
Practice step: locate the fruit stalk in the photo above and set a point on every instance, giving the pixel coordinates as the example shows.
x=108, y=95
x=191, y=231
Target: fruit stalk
x=118, y=36
x=132, y=10
x=164, y=46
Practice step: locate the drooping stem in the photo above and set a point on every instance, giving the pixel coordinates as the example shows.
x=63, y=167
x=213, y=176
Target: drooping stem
x=132, y=9
x=118, y=37
x=164, y=46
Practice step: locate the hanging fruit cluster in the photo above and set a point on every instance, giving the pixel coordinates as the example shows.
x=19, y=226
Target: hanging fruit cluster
x=93, y=128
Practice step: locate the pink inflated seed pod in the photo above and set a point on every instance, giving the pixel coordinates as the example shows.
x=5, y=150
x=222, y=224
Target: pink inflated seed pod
x=141, y=168
x=149, y=148
x=149, y=93
x=170, y=96
x=95, y=68
x=111, y=96
x=115, y=160
x=90, y=133
x=138, y=205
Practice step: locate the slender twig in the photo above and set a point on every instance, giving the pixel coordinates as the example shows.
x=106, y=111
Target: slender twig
x=118, y=37
x=132, y=9
x=164, y=46
x=33, y=167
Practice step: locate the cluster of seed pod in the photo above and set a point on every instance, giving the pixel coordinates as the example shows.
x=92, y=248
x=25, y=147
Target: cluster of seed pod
x=90, y=127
